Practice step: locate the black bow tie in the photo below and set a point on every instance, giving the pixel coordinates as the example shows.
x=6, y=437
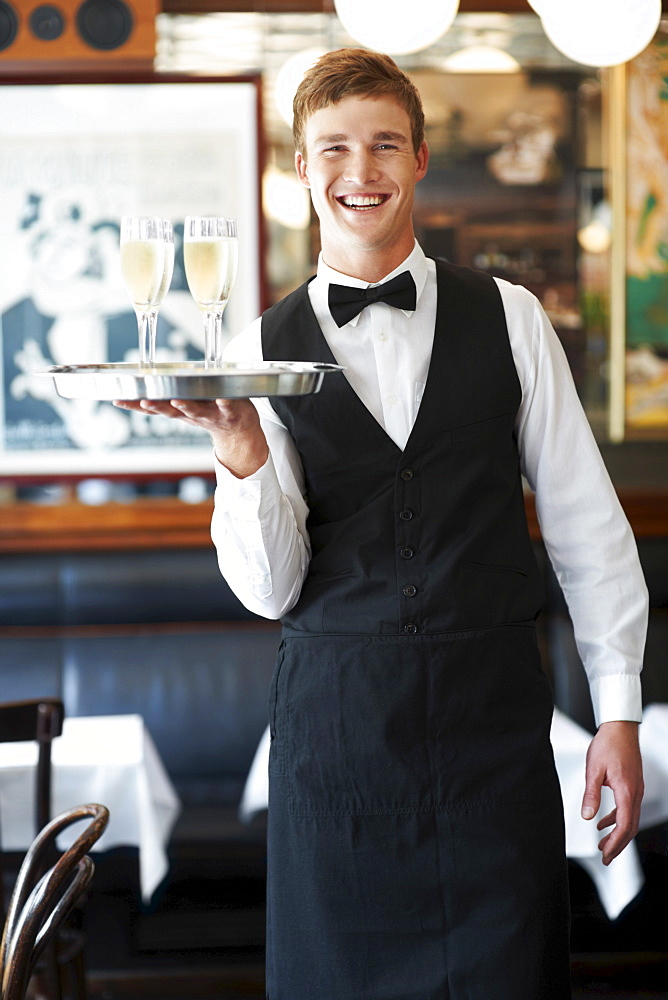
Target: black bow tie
x=345, y=302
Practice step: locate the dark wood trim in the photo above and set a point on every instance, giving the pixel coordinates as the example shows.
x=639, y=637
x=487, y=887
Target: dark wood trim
x=177, y=981
x=167, y=523
x=325, y=6
x=145, y=524
x=313, y=6
x=135, y=629
x=55, y=76
x=248, y=6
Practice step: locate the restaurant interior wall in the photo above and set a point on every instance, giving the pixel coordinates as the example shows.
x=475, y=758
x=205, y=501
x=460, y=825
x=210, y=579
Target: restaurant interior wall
x=471, y=207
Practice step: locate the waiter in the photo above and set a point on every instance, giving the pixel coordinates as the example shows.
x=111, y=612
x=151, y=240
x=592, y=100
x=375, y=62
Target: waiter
x=416, y=842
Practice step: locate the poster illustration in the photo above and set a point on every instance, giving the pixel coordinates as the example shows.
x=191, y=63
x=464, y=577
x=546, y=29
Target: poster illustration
x=74, y=158
x=647, y=241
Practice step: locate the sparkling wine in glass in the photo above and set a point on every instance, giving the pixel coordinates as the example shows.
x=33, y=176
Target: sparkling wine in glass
x=210, y=255
x=147, y=262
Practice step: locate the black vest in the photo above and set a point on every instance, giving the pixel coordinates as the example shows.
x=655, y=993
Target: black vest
x=433, y=539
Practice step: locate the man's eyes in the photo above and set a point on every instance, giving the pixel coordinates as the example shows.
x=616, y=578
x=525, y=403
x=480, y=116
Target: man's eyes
x=381, y=146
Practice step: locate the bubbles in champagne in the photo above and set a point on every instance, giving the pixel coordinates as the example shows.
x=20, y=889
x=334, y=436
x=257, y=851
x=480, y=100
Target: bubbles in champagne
x=211, y=267
x=143, y=269
x=167, y=271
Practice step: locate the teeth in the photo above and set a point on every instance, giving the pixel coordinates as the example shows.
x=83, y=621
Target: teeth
x=362, y=201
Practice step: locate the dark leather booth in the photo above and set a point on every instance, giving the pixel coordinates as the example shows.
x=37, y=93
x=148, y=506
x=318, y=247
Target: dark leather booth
x=158, y=633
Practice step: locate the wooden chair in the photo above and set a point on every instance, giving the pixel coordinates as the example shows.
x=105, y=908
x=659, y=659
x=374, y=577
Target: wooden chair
x=41, y=902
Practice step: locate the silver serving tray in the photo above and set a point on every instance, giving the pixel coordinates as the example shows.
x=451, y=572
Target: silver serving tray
x=189, y=380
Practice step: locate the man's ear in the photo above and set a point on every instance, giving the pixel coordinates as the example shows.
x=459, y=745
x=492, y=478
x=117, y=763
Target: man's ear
x=302, y=170
x=421, y=161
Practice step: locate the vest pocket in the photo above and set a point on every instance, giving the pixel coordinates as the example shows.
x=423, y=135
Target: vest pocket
x=494, y=425
x=496, y=569
x=276, y=728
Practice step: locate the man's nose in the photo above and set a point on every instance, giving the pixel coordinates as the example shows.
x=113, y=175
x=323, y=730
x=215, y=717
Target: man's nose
x=362, y=167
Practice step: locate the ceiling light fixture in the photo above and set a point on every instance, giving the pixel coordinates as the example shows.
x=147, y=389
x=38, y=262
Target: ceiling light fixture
x=395, y=27
x=601, y=32
x=289, y=77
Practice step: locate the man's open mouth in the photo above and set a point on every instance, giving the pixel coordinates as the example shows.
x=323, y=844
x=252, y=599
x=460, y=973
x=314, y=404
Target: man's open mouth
x=362, y=202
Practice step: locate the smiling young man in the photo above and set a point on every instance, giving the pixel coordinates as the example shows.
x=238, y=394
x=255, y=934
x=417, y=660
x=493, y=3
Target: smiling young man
x=416, y=843
x=362, y=180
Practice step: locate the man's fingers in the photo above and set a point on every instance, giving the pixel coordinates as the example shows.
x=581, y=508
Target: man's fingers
x=591, y=800
x=624, y=819
x=147, y=406
x=191, y=409
x=608, y=820
x=612, y=845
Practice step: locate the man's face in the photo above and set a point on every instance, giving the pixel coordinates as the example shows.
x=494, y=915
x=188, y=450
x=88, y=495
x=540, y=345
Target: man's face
x=361, y=169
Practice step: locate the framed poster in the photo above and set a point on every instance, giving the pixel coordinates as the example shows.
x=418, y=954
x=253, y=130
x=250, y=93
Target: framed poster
x=639, y=393
x=74, y=158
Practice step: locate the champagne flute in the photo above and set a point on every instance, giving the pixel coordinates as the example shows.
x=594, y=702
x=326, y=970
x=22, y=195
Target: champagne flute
x=147, y=261
x=167, y=272
x=210, y=255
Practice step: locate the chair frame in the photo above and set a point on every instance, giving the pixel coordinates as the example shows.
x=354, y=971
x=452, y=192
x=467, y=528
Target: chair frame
x=41, y=902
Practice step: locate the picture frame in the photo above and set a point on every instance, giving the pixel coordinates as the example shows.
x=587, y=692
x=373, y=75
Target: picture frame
x=75, y=156
x=639, y=266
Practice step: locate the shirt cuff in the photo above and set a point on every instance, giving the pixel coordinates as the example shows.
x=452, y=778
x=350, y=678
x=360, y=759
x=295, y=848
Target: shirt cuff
x=245, y=499
x=616, y=698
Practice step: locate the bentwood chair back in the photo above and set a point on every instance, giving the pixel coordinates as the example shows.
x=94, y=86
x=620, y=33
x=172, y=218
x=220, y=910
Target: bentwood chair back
x=41, y=902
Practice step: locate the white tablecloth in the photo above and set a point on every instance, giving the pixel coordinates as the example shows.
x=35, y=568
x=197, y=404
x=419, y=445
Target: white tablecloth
x=621, y=881
x=107, y=759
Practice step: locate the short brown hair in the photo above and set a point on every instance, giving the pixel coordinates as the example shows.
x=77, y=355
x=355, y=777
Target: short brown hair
x=354, y=72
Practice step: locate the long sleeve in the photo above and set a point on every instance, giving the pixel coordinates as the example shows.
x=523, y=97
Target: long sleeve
x=586, y=533
x=259, y=523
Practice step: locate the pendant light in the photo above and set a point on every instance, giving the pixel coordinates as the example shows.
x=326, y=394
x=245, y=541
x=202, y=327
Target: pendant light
x=289, y=77
x=601, y=32
x=394, y=26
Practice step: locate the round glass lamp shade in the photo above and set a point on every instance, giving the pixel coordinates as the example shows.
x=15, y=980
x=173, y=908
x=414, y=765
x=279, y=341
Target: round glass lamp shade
x=289, y=77
x=394, y=26
x=602, y=32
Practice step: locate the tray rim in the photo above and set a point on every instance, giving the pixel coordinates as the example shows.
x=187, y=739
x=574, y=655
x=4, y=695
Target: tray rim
x=173, y=380
x=194, y=369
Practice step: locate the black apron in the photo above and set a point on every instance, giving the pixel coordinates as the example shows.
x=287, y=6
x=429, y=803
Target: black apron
x=416, y=842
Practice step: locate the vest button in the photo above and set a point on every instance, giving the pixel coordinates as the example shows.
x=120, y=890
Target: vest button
x=406, y=514
x=410, y=629
x=406, y=475
x=407, y=552
x=410, y=590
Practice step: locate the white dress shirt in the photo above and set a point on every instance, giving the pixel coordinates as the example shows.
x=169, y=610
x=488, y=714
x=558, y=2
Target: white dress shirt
x=259, y=523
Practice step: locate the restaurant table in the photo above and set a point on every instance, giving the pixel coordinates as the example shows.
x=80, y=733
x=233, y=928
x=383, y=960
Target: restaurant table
x=108, y=759
x=618, y=883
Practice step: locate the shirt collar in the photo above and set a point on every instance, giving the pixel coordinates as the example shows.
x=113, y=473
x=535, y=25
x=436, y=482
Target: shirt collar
x=416, y=263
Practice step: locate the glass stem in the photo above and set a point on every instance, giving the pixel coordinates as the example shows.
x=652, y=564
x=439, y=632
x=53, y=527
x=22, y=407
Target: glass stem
x=152, y=325
x=209, y=339
x=142, y=324
x=218, y=338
